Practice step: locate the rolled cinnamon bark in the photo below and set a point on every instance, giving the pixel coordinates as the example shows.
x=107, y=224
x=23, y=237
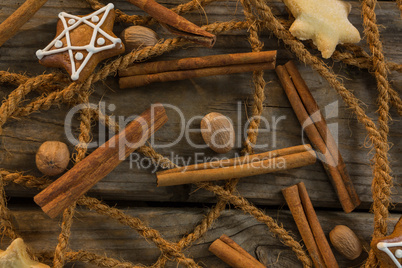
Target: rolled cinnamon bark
x=176, y=24
x=292, y=197
x=319, y=236
x=199, y=62
x=319, y=121
x=10, y=26
x=143, y=80
x=77, y=181
x=234, y=255
x=239, y=169
x=162, y=71
x=345, y=191
x=243, y=159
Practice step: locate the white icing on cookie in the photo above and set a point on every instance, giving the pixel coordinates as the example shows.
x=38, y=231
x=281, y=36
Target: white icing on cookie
x=71, y=21
x=58, y=44
x=398, y=253
x=101, y=41
x=90, y=48
x=384, y=246
x=95, y=19
x=79, y=56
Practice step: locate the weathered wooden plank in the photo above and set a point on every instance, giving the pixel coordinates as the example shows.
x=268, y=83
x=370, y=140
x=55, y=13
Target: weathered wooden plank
x=21, y=138
x=104, y=236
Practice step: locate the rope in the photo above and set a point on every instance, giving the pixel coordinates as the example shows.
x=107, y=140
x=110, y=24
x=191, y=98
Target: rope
x=382, y=181
x=258, y=81
x=68, y=94
x=81, y=148
x=98, y=260
x=147, y=20
x=258, y=16
x=9, y=106
x=6, y=226
x=12, y=78
x=165, y=246
x=244, y=205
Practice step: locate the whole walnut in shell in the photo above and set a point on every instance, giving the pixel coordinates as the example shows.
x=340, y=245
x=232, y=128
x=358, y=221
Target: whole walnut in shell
x=52, y=157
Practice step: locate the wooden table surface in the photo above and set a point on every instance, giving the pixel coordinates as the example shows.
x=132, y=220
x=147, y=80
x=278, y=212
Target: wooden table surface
x=176, y=210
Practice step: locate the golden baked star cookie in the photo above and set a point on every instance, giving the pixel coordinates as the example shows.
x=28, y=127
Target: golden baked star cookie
x=16, y=256
x=323, y=21
x=82, y=42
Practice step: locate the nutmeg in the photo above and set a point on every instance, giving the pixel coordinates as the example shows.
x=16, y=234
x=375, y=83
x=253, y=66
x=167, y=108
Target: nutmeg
x=135, y=37
x=346, y=242
x=218, y=132
x=52, y=157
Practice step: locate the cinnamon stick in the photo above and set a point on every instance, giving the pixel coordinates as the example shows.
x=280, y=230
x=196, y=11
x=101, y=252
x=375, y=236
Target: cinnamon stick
x=78, y=180
x=308, y=225
x=12, y=24
x=238, y=168
x=319, y=121
x=319, y=236
x=199, y=62
x=176, y=23
x=345, y=191
x=250, y=158
x=163, y=71
x=234, y=255
x=143, y=80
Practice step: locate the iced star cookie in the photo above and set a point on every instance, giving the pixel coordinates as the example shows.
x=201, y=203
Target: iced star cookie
x=324, y=21
x=82, y=42
x=389, y=249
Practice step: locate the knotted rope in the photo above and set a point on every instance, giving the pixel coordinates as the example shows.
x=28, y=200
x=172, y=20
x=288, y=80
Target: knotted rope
x=258, y=16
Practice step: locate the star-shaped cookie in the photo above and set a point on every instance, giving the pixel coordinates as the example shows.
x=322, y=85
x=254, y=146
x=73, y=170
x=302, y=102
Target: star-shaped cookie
x=324, y=21
x=16, y=256
x=81, y=42
x=389, y=249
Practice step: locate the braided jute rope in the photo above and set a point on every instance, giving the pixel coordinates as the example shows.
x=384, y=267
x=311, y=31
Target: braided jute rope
x=147, y=20
x=56, y=92
x=69, y=93
x=81, y=148
x=6, y=227
x=9, y=106
x=214, y=213
x=382, y=181
x=99, y=260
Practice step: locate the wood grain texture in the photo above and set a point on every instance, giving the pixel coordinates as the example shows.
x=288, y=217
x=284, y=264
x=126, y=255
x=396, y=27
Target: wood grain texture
x=228, y=94
x=144, y=80
x=268, y=165
x=199, y=62
x=84, y=175
x=319, y=121
x=230, y=252
x=88, y=232
x=175, y=23
x=10, y=26
x=341, y=188
x=301, y=219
